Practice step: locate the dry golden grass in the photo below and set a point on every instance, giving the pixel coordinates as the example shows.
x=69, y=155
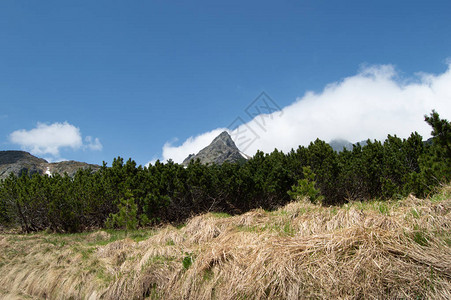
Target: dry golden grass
x=375, y=250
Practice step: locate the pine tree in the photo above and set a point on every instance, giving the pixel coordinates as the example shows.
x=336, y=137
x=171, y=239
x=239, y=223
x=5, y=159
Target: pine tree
x=436, y=164
x=126, y=217
x=306, y=187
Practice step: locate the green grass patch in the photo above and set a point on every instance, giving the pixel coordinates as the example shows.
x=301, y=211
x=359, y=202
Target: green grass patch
x=381, y=207
x=220, y=215
x=208, y=275
x=180, y=225
x=333, y=211
x=253, y=228
x=440, y=196
x=105, y=277
x=288, y=229
x=120, y=234
x=279, y=213
x=187, y=261
x=157, y=260
x=87, y=252
x=420, y=237
x=170, y=243
x=415, y=213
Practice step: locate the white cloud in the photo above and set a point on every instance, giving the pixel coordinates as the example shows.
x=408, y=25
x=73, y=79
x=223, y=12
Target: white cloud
x=48, y=139
x=93, y=143
x=371, y=104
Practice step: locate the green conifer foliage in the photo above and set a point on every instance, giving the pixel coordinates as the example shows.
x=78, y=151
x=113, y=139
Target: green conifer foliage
x=436, y=166
x=126, y=217
x=306, y=187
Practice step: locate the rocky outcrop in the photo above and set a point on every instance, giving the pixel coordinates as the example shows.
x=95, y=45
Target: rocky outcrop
x=222, y=149
x=18, y=162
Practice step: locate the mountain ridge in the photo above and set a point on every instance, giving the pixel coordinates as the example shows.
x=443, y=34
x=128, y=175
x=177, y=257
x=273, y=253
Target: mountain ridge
x=18, y=162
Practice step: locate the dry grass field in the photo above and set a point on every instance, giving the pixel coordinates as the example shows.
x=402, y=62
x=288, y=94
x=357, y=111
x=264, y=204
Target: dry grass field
x=373, y=250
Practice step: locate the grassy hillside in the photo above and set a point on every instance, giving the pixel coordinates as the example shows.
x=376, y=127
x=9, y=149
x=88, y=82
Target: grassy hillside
x=399, y=249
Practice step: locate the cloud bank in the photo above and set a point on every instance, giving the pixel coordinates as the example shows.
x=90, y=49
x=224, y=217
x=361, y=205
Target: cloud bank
x=371, y=104
x=48, y=139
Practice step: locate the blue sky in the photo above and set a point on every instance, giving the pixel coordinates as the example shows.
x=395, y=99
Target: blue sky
x=93, y=80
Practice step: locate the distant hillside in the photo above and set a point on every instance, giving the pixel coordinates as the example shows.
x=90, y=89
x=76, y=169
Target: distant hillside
x=340, y=144
x=222, y=149
x=17, y=162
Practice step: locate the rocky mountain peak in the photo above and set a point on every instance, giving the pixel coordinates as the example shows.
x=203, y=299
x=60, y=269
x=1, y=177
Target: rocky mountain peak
x=224, y=138
x=222, y=149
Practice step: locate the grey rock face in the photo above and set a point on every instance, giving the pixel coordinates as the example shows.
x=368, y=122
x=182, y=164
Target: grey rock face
x=17, y=162
x=222, y=149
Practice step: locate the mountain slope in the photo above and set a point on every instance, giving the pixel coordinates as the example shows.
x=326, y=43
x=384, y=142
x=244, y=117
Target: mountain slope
x=20, y=161
x=17, y=162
